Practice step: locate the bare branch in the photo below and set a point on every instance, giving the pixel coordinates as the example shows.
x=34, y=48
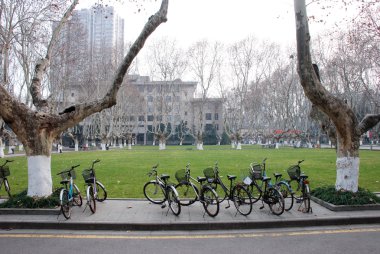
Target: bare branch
x=43, y=63
x=369, y=121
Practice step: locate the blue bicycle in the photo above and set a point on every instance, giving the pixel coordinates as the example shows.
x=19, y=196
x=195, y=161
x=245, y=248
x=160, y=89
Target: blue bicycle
x=70, y=194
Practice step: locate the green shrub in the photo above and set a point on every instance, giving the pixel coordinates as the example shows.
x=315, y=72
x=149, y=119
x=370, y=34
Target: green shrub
x=330, y=195
x=21, y=200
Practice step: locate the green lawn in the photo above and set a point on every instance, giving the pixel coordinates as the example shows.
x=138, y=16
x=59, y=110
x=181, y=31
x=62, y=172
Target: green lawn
x=123, y=171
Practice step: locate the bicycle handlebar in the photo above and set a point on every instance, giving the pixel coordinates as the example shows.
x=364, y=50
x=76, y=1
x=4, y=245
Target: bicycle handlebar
x=68, y=171
x=299, y=162
x=153, y=171
x=6, y=161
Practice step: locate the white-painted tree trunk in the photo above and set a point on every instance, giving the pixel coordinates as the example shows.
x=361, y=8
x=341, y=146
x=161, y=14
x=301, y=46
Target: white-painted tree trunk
x=21, y=147
x=39, y=176
x=347, y=173
x=162, y=145
x=76, y=146
x=2, y=152
x=103, y=146
x=233, y=145
x=180, y=142
x=121, y=145
x=199, y=146
x=10, y=151
x=238, y=147
x=129, y=146
x=277, y=145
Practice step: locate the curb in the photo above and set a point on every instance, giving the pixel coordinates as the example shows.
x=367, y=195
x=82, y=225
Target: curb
x=26, y=211
x=341, y=208
x=66, y=225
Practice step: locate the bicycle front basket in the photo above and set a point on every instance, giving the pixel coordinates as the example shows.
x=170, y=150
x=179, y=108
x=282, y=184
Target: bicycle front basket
x=87, y=174
x=209, y=173
x=65, y=175
x=4, y=171
x=256, y=171
x=294, y=172
x=181, y=176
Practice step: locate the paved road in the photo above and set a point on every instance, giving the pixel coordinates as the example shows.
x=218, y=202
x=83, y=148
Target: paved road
x=348, y=240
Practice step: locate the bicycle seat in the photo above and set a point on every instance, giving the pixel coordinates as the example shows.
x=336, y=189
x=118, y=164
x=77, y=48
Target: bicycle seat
x=277, y=175
x=231, y=177
x=304, y=176
x=64, y=181
x=265, y=179
x=201, y=179
x=165, y=177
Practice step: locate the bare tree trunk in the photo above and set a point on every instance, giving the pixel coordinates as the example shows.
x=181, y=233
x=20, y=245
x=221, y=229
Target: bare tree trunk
x=348, y=129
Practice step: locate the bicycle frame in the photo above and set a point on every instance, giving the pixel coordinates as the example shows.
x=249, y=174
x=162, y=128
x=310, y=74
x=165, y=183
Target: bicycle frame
x=94, y=178
x=4, y=178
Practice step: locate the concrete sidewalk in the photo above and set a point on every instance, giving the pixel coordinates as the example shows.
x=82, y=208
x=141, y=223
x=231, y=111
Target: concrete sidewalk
x=141, y=215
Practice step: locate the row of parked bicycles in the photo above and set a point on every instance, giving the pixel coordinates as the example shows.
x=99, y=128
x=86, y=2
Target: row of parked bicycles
x=254, y=185
x=70, y=194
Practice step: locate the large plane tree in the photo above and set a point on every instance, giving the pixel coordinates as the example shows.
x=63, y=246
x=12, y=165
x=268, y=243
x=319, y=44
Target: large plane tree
x=37, y=127
x=348, y=128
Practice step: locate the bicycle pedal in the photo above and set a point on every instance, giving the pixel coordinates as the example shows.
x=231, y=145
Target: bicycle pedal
x=227, y=207
x=262, y=207
x=163, y=206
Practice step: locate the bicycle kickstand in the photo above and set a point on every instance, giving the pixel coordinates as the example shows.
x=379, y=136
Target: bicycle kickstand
x=262, y=207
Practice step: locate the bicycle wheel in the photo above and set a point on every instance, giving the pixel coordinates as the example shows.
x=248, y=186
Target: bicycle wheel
x=305, y=202
x=287, y=194
x=101, y=192
x=255, y=192
x=188, y=193
x=77, y=197
x=222, y=195
x=297, y=190
x=7, y=187
x=65, y=203
x=173, y=200
x=90, y=198
x=154, y=192
x=275, y=201
x=242, y=200
x=210, y=202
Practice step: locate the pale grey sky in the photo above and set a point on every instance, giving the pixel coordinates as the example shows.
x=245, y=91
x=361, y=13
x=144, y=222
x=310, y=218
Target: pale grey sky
x=224, y=20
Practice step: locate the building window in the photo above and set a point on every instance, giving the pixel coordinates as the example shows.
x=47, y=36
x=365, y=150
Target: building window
x=72, y=94
x=150, y=118
x=216, y=116
x=150, y=88
x=208, y=116
x=185, y=113
x=141, y=89
x=150, y=98
x=141, y=118
x=217, y=127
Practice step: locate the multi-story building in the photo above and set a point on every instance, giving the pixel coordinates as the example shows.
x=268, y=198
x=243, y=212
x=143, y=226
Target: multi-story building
x=89, y=51
x=174, y=102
